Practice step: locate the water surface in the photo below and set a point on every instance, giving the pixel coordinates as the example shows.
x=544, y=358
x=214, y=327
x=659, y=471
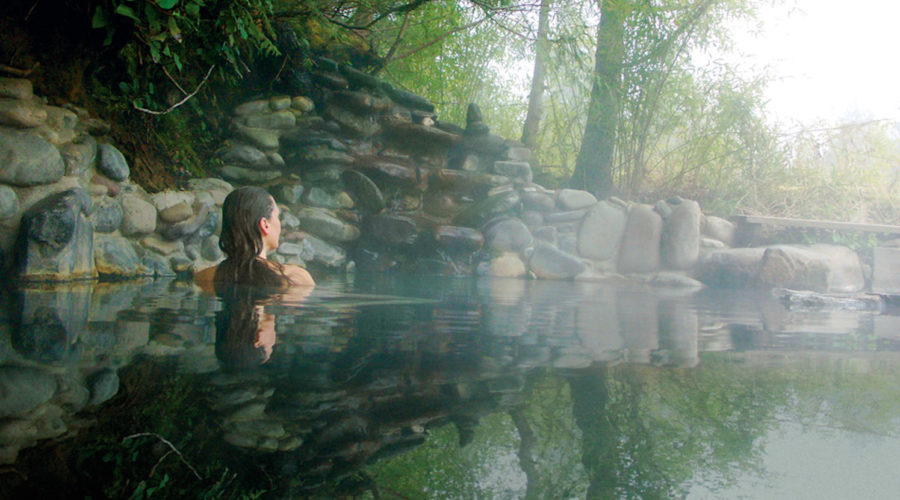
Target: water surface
x=427, y=387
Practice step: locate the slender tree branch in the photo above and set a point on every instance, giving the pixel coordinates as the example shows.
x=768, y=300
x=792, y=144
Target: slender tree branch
x=179, y=103
x=393, y=49
x=167, y=443
x=23, y=73
x=442, y=37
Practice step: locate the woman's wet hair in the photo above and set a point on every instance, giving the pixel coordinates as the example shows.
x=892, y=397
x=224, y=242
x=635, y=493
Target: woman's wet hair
x=241, y=240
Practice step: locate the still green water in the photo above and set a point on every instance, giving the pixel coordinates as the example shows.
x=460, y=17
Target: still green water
x=399, y=387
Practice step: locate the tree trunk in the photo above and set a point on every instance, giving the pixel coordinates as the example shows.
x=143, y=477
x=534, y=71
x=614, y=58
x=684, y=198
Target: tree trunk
x=535, y=97
x=594, y=165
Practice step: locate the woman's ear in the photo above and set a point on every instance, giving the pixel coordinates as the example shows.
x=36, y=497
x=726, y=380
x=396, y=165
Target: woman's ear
x=264, y=225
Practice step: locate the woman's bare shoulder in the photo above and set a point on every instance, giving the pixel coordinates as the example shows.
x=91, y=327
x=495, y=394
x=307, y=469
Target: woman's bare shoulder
x=204, y=278
x=298, y=275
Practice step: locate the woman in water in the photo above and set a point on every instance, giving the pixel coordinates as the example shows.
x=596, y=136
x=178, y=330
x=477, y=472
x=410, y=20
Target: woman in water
x=250, y=230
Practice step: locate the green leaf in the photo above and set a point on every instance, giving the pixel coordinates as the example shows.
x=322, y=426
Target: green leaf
x=193, y=9
x=174, y=29
x=124, y=10
x=154, y=52
x=100, y=19
x=177, y=61
x=166, y=4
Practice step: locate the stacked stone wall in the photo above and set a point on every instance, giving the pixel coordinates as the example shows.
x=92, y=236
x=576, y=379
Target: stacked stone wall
x=367, y=177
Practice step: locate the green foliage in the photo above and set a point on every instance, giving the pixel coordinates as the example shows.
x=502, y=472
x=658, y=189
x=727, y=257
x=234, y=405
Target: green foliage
x=166, y=46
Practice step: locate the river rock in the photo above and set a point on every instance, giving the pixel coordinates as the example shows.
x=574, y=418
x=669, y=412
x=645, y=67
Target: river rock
x=276, y=120
x=62, y=121
x=103, y=385
x=261, y=137
x=368, y=195
x=319, y=251
x=290, y=192
x=9, y=202
x=514, y=170
x=101, y=184
x=820, y=268
x=549, y=262
x=538, y=201
x=162, y=246
x=16, y=88
x=279, y=102
x=194, y=229
x=420, y=139
x=252, y=107
x=639, y=251
x=245, y=154
x=303, y=104
x=79, y=155
x=55, y=238
x=318, y=197
x=352, y=123
x=407, y=99
x=458, y=240
x=319, y=154
x=157, y=265
x=21, y=114
x=217, y=188
x=22, y=389
x=138, y=215
x=241, y=175
x=479, y=213
x=601, y=231
x=735, y=267
x=507, y=265
x=387, y=172
x=680, y=245
x=325, y=225
x=574, y=199
x=507, y=235
x=106, y=216
x=393, y=229
x=28, y=160
x=719, y=229
x=112, y=163
x=114, y=256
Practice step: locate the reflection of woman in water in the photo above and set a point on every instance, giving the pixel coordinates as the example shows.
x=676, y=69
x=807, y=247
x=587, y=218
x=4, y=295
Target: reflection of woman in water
x=250, y=230
x=246, y=279
x=245, y=333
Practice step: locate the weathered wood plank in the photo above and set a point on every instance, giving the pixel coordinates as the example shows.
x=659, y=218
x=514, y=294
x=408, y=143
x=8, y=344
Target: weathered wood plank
x=819, y=224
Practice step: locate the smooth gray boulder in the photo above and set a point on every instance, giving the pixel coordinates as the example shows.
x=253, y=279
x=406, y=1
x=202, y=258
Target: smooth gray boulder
x=325, y=225
x=574, y=199
x=28, y=160
x=601, y=231
x=820, y=268
x=112, y=163
x=507, y=235
x=549, y=262
x=680, y=245
x=55, y=238
x=639, y=251
x=733, y=268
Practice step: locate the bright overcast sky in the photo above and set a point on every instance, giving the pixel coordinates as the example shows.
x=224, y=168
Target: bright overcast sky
x=832, y=59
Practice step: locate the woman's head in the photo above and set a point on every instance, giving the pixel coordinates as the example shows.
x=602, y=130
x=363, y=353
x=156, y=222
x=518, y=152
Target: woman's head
x=242, y=212
x=250, y=229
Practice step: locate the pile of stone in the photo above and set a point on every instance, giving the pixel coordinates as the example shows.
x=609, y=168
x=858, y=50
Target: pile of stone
x=367, y=176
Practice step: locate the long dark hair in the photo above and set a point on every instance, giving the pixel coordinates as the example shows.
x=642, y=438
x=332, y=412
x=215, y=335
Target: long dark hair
x=241, y=241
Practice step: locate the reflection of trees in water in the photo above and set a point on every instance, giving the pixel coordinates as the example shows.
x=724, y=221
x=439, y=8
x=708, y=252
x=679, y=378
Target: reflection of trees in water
x=631, y=431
